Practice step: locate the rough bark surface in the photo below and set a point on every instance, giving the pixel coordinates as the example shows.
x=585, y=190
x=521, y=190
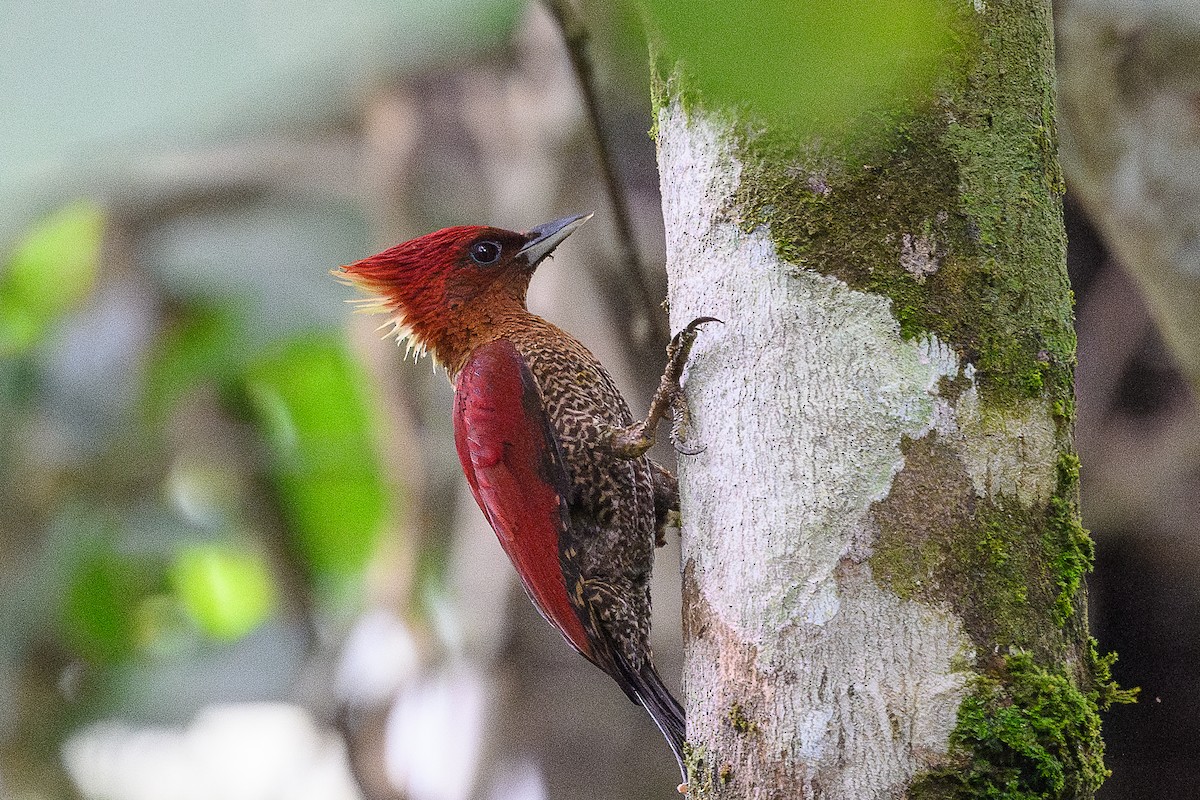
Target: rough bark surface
x=881, y=548
x=784, y=619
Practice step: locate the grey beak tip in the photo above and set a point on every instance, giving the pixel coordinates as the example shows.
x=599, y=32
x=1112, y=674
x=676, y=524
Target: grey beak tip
x=545, y=237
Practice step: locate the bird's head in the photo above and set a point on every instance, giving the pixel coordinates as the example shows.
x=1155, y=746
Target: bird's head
x=446, y=291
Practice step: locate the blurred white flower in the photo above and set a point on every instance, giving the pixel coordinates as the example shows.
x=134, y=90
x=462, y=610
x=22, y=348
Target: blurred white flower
x=251, y=751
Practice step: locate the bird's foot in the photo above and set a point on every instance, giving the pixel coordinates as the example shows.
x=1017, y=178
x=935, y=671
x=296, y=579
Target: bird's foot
x=635, y=440
x=632, y=441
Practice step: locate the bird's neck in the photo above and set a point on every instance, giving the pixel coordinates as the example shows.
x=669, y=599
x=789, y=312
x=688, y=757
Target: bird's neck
x=452, y=345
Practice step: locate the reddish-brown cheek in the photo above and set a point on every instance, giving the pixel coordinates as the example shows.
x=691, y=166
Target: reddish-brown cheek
x=463, y=291
x=471, y=283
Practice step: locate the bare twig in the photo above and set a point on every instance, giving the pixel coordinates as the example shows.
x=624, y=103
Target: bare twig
x=576, y=39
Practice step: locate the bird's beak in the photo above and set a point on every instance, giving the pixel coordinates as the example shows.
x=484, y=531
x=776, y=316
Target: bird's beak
x=544, y=238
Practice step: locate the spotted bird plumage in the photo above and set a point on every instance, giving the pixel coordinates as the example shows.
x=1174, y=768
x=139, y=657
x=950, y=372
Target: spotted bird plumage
x=535, y=421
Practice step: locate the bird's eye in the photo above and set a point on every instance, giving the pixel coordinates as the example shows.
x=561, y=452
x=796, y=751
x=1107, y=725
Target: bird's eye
x=485, y=253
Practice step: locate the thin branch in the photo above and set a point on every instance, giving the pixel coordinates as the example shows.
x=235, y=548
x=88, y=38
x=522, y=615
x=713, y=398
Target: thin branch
x=576, y=38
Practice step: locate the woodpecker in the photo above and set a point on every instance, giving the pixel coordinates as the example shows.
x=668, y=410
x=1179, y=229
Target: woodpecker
x=547, y=443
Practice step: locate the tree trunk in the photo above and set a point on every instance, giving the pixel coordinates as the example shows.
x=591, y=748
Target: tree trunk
x=883, y=560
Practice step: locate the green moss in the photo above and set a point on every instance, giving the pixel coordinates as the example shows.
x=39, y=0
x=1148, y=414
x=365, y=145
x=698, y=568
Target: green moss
x=1023, y=733
x=672, y=83
x=1068, y=471
x=971, y=176
x=1001, y=302
x=1065, y=539
x=993, y=574
x=952, y=210
x=740, y=722
x=699, y=771
x=1063, y=410
x=1099, y=667
x=910, y=551
x=1013, y=574
x=950, y=389
x=986, y=557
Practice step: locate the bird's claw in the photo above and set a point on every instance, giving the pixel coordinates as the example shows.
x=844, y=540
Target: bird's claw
x=681, y=343
x=681, y=424
x=635, y=440
x=677, y=355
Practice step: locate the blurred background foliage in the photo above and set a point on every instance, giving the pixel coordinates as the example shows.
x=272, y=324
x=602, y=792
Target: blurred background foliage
x=237, y=556
x=823, y=62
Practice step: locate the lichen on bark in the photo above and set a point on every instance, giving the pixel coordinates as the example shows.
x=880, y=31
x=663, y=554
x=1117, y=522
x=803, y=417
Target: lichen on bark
x=782, y=616
x=949, y=214
x=969, y=175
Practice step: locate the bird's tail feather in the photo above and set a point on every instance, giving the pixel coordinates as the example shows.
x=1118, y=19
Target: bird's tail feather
x=645, y=687
x=663, y=708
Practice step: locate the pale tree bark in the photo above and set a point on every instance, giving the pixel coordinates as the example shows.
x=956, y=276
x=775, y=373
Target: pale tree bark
x=882, y=553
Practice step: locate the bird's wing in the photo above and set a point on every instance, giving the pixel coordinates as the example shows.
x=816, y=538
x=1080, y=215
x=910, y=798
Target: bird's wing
x=514, y=465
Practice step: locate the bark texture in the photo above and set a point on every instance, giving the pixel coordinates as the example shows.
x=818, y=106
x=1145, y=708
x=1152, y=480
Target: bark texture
x=882, y=554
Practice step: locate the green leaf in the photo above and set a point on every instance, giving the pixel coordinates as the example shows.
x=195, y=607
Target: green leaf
x=308, y=401
x=99, y=608
x=819, y=62
x=49, y=273
x=206, y=344
x=226, y=591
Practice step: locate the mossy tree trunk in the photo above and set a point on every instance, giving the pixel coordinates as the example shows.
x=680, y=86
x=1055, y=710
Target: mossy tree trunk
x=883, y=558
